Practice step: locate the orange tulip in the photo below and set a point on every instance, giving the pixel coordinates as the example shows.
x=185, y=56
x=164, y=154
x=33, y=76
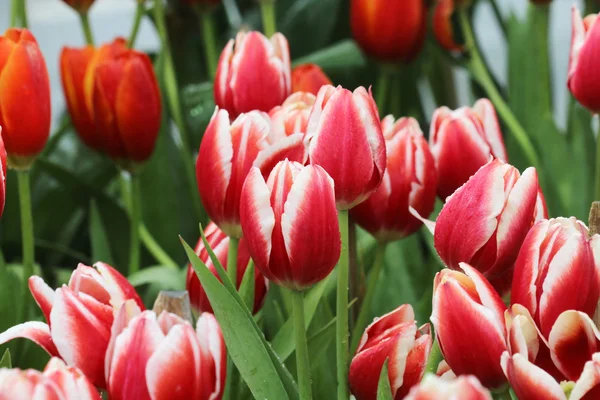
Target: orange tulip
x=24, y=97
x=81, y=6
x=309, y=78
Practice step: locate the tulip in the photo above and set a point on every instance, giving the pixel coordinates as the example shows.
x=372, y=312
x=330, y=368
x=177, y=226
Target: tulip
x=530, y=381
x=409, y=181
x=290, y=224
x=394, y=337
x=347, y=142
x=466, y=306
x=381, y=36
x=79, y=316
x=308, y=78
x=462, y=141
x=442, y=25
x=164, y=358
x=291, y=117
x=253, y=73
x=465, y=387
x=24, y=97
x=496, y=209
x=56, y=382
x=219, y=243
x=81, y=6
x=584, y=60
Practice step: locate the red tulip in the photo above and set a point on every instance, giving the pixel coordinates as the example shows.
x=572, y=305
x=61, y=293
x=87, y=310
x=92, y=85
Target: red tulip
x=24, y=97
x=380, y=35
x=290, y=224
x=466, y=306
x=56, y=382
x=462, y=141
x=347, y=141
x=394, y=337
x=164, y=358
x=219, y=243
x=496, y=209
x=79, y=317
x=253, y=73
x=309, y=78
x=530, y=381
x=442, y=25
x=81, y=6
x=584, y=60
x=465, y=387
x=3, y=173
x=409, y=181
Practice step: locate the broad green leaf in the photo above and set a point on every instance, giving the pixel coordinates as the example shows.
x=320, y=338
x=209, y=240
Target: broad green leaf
x=244, y=343
x=342, y=55
x=384, y=391
x=247, y=286
x=5, y=361
x=164, y=276
x=98, y=237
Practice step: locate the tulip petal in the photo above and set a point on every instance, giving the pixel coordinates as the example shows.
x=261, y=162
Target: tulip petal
x=37, y=332
x=529, y=381
x=118, y=286
x=71, y=381
x=222, y=92
x=491, y=128
x=43, y=295
x=292, y=148
x=123, y=315
x=210, y=335
x=587, y=386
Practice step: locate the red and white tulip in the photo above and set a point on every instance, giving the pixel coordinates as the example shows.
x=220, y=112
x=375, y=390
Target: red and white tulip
x=465, y=387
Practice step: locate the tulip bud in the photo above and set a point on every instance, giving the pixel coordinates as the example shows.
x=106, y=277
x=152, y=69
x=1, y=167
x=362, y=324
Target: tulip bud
x=347, y=141
x=253, y=73
x=466, y=306
x=442, y=25
x=290, y=224
x=381, y=36
x=165, y=358
x=409, y=181
x=309, y=78
x=56, y=382
x=81, y=6
x=394, y=337
x=79, y=316
x=584, y=59
x=496, y=209
x=465, y=387
x=219, y=243
x=462, y=141
x=24, y=97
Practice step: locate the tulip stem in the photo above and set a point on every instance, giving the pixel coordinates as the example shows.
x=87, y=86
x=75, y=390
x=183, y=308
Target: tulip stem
x=597, y=188
x=381, y=94
x=139, y=13
x=342, y=310
x=232, y=260
x=267, y=9
x=365, y=308
x=87, y=30
x=134, y=220
x=14, y=13
x=154, y=248
x=23, y=12
x=26, y=234
x=434, y=359
x=481, y=75
x=210, y=43
x=302, y=361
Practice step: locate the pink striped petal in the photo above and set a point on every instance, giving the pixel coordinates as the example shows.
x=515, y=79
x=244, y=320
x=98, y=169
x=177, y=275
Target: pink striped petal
x=86, y=279
x=73, y=384
x=210, y=336
x=522, y=332
x=26, y=385
x=382, y=324
x=222, y=92
x=292, y=148
x=416, y=362
x=37, y=332
x=587, y=386
x=465, y=387
x=491, y=128
x=529, y=381
x=123, y=315
x=43, y=295
x=118, y=286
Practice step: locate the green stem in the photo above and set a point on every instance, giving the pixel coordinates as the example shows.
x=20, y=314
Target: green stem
x=23, y=12
x=154, y=248
x=482, y=76
x=210, y=43
x=87, y=30
x=597, y=190
x=267, y=9
x=302, y=361
x=365, y=307
x=26, y=233
x=135, y=217
x=139, y=13
x=14, y=13
x=342, y=311
x=434, y=359
x=381, y=94
x=232, y=260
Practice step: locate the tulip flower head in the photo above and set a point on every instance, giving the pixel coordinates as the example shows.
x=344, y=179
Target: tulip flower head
x=24, y=97
x=79, y=316
x=81, y=6
x=290, y=224
x=253, y=73
x=464, y=387
x=394, y=337
x=442, y=25
x=219, y=243
x=308, y=78
x=346, y=140
x=410, y=180
x=584, y=60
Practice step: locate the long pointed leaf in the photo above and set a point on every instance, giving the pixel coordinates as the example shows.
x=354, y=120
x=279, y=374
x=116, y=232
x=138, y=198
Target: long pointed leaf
x=384, y=391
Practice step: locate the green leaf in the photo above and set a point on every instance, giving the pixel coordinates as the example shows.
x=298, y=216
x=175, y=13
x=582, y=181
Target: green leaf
x=98, y=237
x=384, y=391
x=247, y=286
x=319, y=342
x=5, y=361
x=342, y=55
x=163, y=275
x=244, y=343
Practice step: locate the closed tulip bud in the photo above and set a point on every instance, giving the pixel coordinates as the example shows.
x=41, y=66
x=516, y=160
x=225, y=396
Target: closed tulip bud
x=24, y=97
x=584, y=60
x=290, y=224
x=465, y=387
x=308, y=78
x=347, y=142
x=396, y=338
x=81, y=6
x=253, y=73
x=79, y=316
x=381, y=36
x=164, y=358
x=462, y=141
x=56, y=382
x=442, y=25
x=496, y=208
x=219, y=243
x=409, y=181
x=465, y=306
